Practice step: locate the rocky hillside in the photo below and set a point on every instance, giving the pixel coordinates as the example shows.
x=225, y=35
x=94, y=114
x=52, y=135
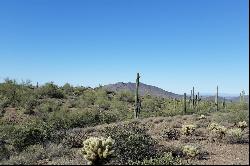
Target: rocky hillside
x=143, y=90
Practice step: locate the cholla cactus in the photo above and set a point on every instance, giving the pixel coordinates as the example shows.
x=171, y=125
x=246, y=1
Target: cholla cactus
x=188, y=129
x=234, y=135
x=242, y=125
x=96, y=150
x=190, y=151
x=217, y=129
x=202, y=117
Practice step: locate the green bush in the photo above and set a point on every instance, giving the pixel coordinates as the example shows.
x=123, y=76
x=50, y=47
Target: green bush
x=88, y=98
x=232, y=116
x=11, y=91
x=49, y=105
x=50, y=90
x=64, y=119
x=125, y=96
x=150, y=105
x=29, y=133
x=29, y=156
x=131, y=142
x=30, y=105
x=68, y=89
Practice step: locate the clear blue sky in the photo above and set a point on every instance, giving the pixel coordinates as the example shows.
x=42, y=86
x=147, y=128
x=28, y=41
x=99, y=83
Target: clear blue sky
x=174, y=44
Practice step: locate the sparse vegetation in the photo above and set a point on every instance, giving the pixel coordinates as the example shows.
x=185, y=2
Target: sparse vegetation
x=47, y=125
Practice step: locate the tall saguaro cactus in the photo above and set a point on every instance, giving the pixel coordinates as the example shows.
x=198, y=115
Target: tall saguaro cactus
x=193, y=98
x=217, y=99
x=190, y=100
x=240, y=98
x=224, y=103
x=185, y=103
x=137, y=102
x=243, y=96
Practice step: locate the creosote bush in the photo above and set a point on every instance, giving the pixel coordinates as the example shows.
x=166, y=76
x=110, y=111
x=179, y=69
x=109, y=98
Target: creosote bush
x=97, y=150
x=131, y=142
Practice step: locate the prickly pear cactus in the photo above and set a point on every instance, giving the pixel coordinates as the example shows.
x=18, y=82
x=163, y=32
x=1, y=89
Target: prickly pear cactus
x=97, y=150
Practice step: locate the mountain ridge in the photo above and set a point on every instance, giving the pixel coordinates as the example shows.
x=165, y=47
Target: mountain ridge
x=145, y=89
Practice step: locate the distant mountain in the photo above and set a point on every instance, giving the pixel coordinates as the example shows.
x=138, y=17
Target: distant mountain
x=143, y=89
x=233, y=99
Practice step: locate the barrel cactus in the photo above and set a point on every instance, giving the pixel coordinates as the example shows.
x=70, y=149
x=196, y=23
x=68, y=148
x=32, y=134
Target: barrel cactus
x=97, y=150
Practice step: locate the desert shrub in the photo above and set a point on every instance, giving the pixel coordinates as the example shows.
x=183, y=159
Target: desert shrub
x=50, y=90
x=88, y=98
x=131, y=142
x=64, y=119
x=49, y=106
x=102, y=103
x=56, y=150
x=11, y=91
x=97, y=150
x=234, y=135
x=29, y=133
x=188, y=129
x=171, y=134
x=217, y=130
x=30, y=105
x=150, y=105
x=68, y=89
x=4, y=151
x=232, y=116
x=3, y=104
x=125, y=96
x=29, y=156
x=166, y=159
x=242, y=125
x=109, y=116
x=190, y=151
x=73, y=138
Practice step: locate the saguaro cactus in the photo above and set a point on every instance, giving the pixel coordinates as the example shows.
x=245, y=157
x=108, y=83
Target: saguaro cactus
x=217, y=99
x=37, y=85
x=137, y=102
x=190, y=100
x=193, y=98
x=243, y=96
x=224, y=103
x=240, y=98
x=185, y=103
